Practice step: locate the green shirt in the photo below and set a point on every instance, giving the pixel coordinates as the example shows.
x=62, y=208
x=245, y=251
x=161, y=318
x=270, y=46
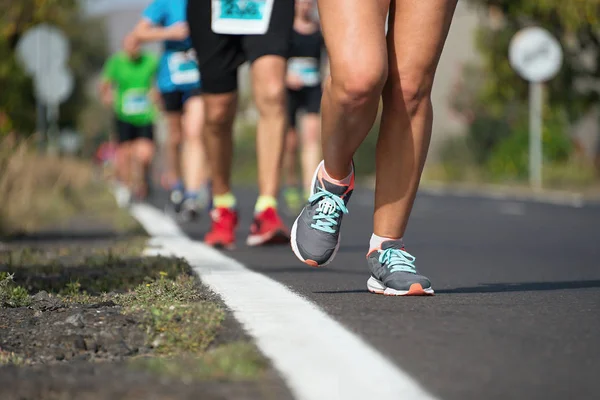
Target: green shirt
x=132, y=81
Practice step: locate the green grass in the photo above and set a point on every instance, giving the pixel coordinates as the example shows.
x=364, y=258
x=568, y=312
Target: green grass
x=233, y=361
x=177, y=318
x=87, y=274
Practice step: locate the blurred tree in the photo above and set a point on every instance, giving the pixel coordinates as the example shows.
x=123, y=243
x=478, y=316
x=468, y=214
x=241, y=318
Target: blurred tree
x=88, y=51
x=491, y=94
x=575, y=23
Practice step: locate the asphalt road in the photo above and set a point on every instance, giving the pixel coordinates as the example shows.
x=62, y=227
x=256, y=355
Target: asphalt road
x=517, y=308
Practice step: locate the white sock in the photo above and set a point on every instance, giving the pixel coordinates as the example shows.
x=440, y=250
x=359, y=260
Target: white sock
x=376, y=241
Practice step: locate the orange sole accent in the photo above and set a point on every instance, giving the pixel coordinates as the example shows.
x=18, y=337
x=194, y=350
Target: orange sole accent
x=312, y=263
x=415, y=290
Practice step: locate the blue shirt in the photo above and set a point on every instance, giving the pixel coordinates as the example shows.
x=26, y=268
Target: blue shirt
x=177, y=71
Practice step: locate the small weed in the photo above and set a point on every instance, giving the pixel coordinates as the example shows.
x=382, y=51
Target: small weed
x=177, y=320
x=10, y=358
x=183, y=328
x=162, y=292
x=12, y=295
x=71, y=289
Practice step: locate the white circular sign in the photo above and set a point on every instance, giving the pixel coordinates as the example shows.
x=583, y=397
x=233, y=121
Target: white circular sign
x=55, y=87
x=41, y=47
x=535, y=54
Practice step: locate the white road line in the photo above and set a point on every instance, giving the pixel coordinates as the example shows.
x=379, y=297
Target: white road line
x=317, y=357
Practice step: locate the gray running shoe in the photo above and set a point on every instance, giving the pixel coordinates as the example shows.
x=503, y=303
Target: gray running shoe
x=393, y=272
x=316, y=231
x=194, y=205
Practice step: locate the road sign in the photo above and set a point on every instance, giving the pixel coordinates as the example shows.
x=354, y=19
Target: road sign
x=43, y=46
x=537, y=57
x=55, y=87
x=535, y=54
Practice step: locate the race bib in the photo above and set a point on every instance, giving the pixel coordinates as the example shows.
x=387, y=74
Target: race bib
x=135, y=102
x=241, y=17
x=307, y=68
x=183, y=68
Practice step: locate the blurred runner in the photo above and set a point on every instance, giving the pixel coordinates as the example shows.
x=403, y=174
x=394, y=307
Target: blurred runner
x=225, y=35
x=180, y=88
x=367, y=64
x=105, y=158
x=126, y=86
x=304, y=79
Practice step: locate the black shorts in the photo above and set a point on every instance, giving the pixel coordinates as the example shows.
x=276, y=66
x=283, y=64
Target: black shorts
x=127, y=132
x=219, y=56
x=307, y=99
x=174, y=101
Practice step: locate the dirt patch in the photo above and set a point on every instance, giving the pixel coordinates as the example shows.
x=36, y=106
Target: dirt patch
x=91, y=319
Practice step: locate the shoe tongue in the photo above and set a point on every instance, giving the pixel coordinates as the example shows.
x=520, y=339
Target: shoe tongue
x=392, y=244
x=331, y=187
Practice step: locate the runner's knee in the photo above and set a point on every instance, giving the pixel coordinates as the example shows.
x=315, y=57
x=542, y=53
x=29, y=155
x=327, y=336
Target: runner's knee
x=408, y=91
x=145, y=150
x=219, y=112
x=271, y=97
x=357, y=86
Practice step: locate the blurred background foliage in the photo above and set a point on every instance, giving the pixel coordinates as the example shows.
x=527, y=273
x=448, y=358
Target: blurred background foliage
x=88, y=52
x=489, y=96
x=493, y=99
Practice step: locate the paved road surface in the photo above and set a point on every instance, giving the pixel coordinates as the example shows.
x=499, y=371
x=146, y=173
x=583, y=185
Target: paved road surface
x=517, y=310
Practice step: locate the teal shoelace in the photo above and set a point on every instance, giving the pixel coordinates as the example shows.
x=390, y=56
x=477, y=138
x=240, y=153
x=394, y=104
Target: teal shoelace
x=397, y=260
x=331, y=207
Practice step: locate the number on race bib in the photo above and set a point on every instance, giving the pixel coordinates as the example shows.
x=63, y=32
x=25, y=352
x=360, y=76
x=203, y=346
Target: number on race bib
x=135, y=102
x=307, y=68
x=183, y=68
x=235, y=9
x=241, y=17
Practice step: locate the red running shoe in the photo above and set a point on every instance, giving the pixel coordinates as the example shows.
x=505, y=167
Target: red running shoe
x=222, y=233
x=268, y=228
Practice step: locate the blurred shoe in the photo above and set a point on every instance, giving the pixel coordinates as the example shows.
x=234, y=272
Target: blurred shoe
x=175, y=202
x=196, y=203
x=268, y=228
x=222, y=232
x=122, y=195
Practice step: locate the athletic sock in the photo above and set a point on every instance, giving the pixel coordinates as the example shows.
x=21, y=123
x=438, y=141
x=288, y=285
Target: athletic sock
x=226, y=200
x=178, y=186
x=264, y=202
x=345, y=182
x=191, y=194
x=376, y=241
